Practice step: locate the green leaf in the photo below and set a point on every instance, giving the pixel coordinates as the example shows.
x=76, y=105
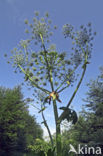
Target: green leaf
x=69, y=114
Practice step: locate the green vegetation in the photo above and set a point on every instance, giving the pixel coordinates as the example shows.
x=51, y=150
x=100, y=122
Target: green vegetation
x=20, y=135
x=17, y=128
x=41, y=147
x=89, y=128
x=49, y=71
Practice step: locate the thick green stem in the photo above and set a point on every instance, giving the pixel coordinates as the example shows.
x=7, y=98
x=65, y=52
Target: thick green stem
x=78, y=85
x=58, y=132
x=58, y=140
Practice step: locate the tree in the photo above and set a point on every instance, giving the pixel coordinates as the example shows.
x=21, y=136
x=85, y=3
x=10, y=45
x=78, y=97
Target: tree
x=89, y=128
x=94, y=105
x=49, y=71
x=17, y=128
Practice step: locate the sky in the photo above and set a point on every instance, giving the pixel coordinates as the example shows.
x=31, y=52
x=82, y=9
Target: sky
x=75, y=12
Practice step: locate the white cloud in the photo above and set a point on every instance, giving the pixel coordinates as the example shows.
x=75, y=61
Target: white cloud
x=52, y=130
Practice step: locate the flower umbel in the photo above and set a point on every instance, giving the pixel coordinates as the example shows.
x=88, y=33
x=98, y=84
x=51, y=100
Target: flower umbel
x=40, y=28
x=83, y=37
x=24, y=44
x=67, y=30
x=19, y=59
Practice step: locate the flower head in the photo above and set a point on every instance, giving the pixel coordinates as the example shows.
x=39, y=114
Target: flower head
x=77, y=58
x=40, y=28
x=83, y=37
x=24, y=44
x=67, y=30
x=19, y=59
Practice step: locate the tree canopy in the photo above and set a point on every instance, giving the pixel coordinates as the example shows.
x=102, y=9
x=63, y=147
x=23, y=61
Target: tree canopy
x=18, y=129
x=89, y=128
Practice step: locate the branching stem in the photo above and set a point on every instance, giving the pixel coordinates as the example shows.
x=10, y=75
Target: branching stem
x=78, y=85
x=48, y=67
x=35, y=85
x=65, y=80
